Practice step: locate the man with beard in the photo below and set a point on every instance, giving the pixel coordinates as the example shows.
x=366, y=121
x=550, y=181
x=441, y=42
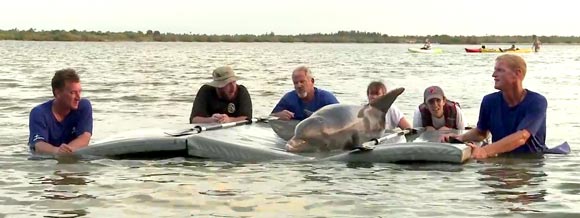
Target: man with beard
x=64, y=124
x=222, y=100
x=305, y=98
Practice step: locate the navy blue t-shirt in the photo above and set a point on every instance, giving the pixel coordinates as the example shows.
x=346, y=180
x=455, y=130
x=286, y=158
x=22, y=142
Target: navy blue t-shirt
x=501, y=120
x=294, y=104
x=44, y=126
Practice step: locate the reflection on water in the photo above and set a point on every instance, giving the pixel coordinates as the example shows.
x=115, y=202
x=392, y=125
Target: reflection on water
x=66, y=213
x=516, y=181
x=64, y=178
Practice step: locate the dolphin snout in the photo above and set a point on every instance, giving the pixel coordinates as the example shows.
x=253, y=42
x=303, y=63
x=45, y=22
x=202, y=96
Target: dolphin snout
x=295, y=145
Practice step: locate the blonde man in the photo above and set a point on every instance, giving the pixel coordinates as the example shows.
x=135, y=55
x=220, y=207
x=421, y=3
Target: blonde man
x=515, y=117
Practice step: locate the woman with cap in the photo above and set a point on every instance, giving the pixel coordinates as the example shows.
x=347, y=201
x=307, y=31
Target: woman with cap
x=221, y=100
x=437, y=112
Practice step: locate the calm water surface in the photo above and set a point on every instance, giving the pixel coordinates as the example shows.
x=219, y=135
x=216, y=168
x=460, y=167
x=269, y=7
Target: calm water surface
x=148, y=85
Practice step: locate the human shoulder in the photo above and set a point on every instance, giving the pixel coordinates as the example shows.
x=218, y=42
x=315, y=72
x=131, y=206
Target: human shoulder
x=242, y=87
x=290, y=95
x=243, y=90
x=205, y=91
x=206, y=88
x=492, y=97
x=325, y=96
x=394, y=110
x=85, y=103
x=535, y=99
x=536, y=96
x=42, y=108
x=323, y=92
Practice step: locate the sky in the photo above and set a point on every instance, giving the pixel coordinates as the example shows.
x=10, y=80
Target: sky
x=393, y=17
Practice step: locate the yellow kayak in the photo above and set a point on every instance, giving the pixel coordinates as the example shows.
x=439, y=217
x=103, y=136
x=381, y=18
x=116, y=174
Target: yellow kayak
x=430, y=51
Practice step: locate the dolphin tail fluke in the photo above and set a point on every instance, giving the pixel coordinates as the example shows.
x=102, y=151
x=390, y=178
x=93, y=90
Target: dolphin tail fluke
x=384, y=102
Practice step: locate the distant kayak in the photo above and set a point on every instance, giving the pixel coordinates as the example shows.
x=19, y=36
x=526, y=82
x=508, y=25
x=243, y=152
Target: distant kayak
x=497, y=50
x=430, y=51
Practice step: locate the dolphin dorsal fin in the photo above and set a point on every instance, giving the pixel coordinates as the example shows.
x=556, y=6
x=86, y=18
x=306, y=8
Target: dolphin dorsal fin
x=384, y=102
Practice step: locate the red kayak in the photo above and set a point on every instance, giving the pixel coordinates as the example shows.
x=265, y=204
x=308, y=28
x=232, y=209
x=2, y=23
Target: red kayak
x=473, y=50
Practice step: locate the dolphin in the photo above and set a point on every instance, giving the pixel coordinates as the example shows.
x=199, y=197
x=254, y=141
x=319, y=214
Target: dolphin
x=342, y=126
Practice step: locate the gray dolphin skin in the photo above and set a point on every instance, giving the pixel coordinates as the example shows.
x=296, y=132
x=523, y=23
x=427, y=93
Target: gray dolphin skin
x=342, y=126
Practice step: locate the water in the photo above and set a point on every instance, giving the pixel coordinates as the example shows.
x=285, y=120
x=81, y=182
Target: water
x=147, y=85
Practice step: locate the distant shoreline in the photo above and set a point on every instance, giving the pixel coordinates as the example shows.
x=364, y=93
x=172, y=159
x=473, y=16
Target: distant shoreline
x=338, y=37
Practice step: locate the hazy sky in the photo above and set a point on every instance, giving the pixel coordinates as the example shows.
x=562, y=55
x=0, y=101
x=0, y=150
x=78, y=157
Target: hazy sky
x=393, y=17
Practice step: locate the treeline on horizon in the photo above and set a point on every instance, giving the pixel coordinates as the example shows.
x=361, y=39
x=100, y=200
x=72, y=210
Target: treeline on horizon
x=339, y=37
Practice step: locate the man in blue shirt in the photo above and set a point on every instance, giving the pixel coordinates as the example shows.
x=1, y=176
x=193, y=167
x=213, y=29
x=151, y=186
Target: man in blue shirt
x=515, y=117
x=304, y=99
x=64, y=124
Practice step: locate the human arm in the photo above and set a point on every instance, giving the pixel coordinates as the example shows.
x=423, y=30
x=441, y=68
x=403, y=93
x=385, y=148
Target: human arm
x=38, y=136
x=506, y=144
x=199, y=111
x=460, y=122
x=282, y=109
x=397, y=118
x=532, y=124
x=84, y=127
x=198, y=119
x=417, y=120
x=404, y=123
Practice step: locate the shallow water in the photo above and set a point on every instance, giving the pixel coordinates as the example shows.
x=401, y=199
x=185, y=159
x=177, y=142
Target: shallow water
x=149, y=85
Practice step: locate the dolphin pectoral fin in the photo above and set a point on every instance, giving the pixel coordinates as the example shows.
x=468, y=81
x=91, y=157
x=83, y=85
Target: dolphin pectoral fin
x=384, y=102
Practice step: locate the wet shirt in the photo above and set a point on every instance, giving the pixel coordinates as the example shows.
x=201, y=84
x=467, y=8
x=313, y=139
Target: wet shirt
x=501, y=120
x=43, y=125
x=294, y=104
x=207, y=103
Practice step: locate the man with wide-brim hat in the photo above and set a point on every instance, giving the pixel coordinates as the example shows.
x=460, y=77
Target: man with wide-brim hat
x=222, y=100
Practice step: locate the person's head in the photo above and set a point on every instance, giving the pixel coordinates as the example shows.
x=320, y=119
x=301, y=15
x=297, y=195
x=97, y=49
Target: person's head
x=303, y=82
x=509, y=71
x=513, y=46
x=435, y=100
x=375, y=90
x=224, y=80
x=483, y=46
x=427, y=40
x=66, y=88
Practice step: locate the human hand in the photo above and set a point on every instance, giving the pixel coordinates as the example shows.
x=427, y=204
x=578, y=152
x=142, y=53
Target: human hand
x=63, y=149
x=444, y=128
x=447, y=137
x=284, y=115
x=224, y=119
x=478, y=152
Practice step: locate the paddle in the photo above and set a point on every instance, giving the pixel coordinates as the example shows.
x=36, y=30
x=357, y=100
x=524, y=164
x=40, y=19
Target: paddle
x=370, y=145
x=199, y=128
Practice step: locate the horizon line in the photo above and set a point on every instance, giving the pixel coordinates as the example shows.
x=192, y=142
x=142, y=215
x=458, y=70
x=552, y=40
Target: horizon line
x=273, y=33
